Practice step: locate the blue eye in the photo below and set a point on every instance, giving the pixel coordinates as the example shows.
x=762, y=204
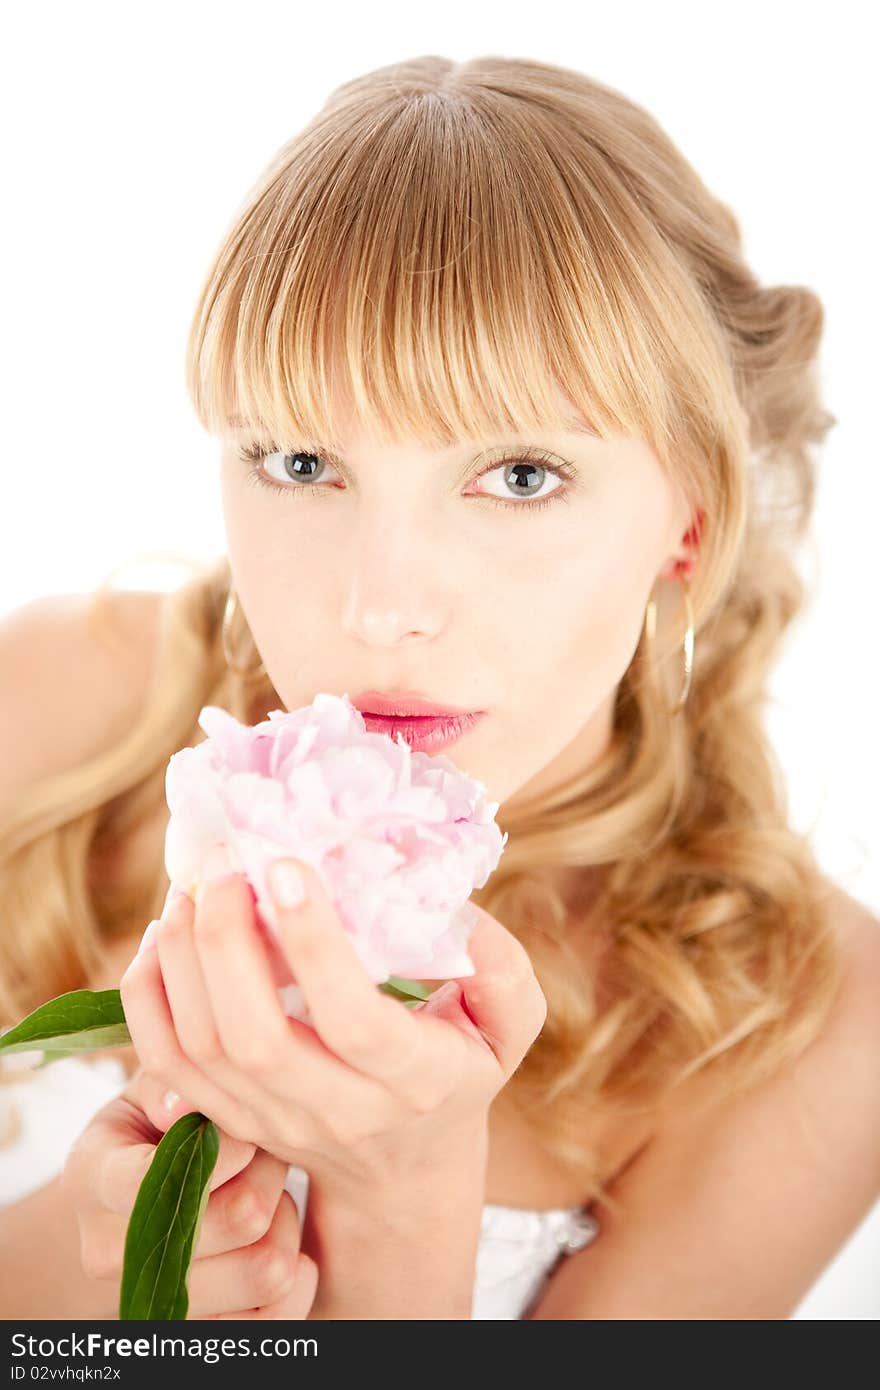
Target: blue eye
x=528, y=460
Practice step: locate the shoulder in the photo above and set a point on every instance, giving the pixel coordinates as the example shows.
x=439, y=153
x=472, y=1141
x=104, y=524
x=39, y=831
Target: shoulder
x=76, y=668
x=841, y=1066
x=112, y=629
x=812, y=1126
x=859, y=930
x=743, y=1201
x=849, y=1046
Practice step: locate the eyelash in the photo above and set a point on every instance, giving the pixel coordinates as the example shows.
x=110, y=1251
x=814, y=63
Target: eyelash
x=252, y=456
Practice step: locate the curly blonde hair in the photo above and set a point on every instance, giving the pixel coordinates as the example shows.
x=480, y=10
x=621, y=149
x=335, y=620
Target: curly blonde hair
x=459, y=237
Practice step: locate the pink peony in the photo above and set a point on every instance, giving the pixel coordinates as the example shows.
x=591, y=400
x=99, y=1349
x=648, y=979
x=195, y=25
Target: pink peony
x=398, y=838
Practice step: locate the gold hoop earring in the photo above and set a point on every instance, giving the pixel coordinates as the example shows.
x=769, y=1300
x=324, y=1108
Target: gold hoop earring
x=651, y=628
x=228, y=618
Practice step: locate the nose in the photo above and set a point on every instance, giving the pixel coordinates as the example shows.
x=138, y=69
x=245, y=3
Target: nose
x=396, y=588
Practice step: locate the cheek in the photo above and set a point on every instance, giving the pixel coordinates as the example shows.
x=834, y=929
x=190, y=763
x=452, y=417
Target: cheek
x=244, y=521
x=591, y=631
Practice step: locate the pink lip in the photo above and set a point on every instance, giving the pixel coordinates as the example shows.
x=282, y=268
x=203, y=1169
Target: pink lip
x=403, y=703
x=423, y=733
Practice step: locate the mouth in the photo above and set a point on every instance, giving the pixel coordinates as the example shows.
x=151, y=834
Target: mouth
x=405, y=704
x=423, y=733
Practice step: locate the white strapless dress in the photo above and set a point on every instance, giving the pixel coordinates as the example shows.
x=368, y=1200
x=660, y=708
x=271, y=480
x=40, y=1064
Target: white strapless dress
x=41, y=1116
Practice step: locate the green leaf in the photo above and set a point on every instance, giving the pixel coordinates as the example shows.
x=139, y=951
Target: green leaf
x=164, y=1225
x=81, y=1021
x=406, y=990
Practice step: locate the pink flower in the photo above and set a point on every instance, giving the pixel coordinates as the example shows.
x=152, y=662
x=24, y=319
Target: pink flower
x=398, y=838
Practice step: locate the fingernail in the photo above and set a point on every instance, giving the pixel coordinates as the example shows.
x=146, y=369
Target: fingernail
x=169, y=1100
x=287, y=884
x=148, y=937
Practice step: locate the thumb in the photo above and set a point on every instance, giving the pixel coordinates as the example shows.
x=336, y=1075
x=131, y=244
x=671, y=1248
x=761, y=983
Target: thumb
x=161, y=1106
x=503, y=996
x=147, y=1093
x=447, y=1002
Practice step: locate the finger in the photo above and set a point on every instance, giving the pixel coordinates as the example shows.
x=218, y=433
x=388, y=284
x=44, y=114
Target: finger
x=447, y=1003
x=149, y=1094
x=220, y=1052
x=256, y=1275
x=120, y=1161
x=503, y=996
x=294, y=1306
x=241, y=998
x=364, y=1027
x=185, y=988
x=242, y=1209
x=109, y=1160
x=148, y=1016
x=238, y=1214
x=289, y=1057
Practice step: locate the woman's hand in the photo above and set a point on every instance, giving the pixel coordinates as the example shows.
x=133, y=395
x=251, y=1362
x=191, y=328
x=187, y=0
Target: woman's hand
x=247, y=1262
x=375, y=1087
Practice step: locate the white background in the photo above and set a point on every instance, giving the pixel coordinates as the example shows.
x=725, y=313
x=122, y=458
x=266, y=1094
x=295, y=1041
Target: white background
x=132, y=133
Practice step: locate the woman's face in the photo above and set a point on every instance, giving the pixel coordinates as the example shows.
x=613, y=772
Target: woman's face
x=412, y=569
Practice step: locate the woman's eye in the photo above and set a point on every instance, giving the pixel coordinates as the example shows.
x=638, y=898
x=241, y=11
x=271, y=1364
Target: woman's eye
x=521, y=478
x=295, y=468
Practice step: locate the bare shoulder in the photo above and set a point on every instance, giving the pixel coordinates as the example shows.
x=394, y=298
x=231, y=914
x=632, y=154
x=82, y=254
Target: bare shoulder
x=841, y=1066
x=742, y=1203
x=850, y=1043
x=75, y=672
x=857, y=924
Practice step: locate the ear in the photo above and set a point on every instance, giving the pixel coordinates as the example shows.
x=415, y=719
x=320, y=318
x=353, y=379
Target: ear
x=680, y=565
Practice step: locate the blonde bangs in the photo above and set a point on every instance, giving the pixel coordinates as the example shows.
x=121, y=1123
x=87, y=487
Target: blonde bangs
x=441, y=278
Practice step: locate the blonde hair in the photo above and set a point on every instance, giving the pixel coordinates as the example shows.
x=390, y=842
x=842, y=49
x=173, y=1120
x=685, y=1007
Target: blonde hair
x=443, y=243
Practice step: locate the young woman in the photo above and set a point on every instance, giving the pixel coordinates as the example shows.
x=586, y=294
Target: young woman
x=506, y=421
